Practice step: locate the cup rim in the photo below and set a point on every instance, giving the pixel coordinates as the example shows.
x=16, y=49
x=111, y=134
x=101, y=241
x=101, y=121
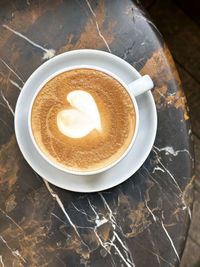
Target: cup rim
x=94, y=68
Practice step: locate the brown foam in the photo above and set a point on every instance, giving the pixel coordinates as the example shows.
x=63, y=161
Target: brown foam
x=99, y=148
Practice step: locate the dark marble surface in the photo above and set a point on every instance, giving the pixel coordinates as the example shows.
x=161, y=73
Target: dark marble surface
x=142, y=222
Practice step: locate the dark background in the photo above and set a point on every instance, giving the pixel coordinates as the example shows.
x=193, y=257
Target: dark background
x=179, y=23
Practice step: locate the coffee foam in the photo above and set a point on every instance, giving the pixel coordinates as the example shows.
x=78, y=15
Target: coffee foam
x=79, y=122
x=106, y=123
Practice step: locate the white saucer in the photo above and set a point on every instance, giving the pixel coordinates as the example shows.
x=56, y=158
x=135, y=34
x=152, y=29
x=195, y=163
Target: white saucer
x=126, y=167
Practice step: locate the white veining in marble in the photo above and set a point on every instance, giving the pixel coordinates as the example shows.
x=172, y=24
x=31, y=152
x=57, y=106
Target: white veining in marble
x=14, y=72
x=170, y=150
x=126, y=249
x=154, y=217
x=106, y=245
x=150, y=175
x=128, y=50
x=101, y=242
x=140, y=14
x=144, y=17
x=48, y=53
x=151, y=23
x=98, y=221
x=114, y=224
x=157, y=168
x=115, y=235
x=56, y=197
x=170, y=174
x=120, y=241
x=11, y=81
x=15, y=253
x=1, y=261
x=172, y=243
x=186, y=207
x=58, y=218
x=11, y=219
x=189, y=212
x=158, y=184
x=154, y=246
x=7, y=103
x=110, y=213
x=99, y=32
x=120, y=254
x=81, y=211
x=15, y=84
x=160, y=93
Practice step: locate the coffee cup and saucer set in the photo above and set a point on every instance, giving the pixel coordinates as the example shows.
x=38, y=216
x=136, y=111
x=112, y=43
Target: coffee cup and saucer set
x=136, y=89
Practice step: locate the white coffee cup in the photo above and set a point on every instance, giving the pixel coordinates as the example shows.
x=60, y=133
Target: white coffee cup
x=134, y=89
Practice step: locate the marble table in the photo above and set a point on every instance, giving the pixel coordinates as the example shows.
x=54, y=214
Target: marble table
x=142, y=222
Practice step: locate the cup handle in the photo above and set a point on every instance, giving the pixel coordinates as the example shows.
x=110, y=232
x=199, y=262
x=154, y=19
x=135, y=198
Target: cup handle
x=141, y=85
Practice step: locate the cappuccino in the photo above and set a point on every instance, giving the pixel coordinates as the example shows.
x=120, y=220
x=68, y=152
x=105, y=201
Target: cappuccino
x=83, y=120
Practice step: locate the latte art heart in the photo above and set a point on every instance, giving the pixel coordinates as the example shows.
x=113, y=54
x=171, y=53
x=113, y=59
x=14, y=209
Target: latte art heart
x=82, y=119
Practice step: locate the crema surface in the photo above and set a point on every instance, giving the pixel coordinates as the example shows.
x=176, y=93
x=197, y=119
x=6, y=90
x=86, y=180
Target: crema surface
x=83, y=120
